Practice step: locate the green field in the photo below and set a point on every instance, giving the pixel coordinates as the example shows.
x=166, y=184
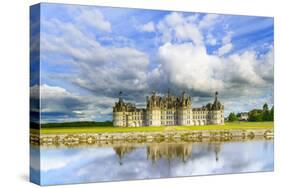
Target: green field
x=87, y=127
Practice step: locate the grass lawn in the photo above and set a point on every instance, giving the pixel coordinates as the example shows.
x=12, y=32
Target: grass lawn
x=110, y=129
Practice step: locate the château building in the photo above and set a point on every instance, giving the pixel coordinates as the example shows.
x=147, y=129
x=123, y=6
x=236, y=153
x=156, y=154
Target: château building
x=243, y=116
x=167, y=110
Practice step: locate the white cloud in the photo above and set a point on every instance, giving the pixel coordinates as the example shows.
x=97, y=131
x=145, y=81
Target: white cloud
x=176, y=26
x=94, y=63
x=211, y=40
x=95, y=19
x=242, y=68
x=189, y=32
x=148, y=27
x=227, y=38
x=174, y=19
x=47, y=91
x=227, y=45
x=266, y=65
x=225, y=49
x=208, y=21
x=190, y=66
x=193, y=18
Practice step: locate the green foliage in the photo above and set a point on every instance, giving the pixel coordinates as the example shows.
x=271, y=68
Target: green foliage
x=266, y=116
x=262, y=115
x=255, y=115
x=232, y=117
x=77, y=124
x=265, y=107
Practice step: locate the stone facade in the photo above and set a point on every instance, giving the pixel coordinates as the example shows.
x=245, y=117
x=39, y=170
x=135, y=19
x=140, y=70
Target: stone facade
x=243, y=116
x=167, y=110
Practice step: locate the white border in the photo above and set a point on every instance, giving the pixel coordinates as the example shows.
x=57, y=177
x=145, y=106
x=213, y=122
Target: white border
x=15, y=91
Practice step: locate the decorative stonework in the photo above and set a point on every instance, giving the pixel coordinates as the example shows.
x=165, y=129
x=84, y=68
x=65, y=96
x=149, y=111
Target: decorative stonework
x=167, y=110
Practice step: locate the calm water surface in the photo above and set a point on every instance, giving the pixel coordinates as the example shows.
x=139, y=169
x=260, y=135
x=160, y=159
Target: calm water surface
x=159, y=160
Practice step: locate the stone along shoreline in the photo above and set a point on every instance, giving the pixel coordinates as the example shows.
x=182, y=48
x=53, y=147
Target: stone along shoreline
x=96, y=139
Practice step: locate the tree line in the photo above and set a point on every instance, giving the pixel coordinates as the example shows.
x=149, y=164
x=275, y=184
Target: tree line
x=77, y=124
x=264, y=114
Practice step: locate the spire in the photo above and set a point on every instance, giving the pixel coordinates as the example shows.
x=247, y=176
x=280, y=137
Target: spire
x=216, y=105
x=216, y=96
x=120, y=97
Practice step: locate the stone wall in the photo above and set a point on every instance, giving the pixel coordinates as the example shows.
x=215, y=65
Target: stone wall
x=138, y=137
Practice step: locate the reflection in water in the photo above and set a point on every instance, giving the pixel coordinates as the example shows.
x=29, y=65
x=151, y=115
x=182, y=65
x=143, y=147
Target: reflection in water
x=122, y=150
x=154, y=160
x=169, y=151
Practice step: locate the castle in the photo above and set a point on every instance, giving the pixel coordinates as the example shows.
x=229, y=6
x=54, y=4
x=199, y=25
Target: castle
x=167, y=110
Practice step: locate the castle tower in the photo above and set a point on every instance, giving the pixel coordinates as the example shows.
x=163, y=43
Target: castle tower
x=153, y=113
x=184, y=110
x=217, y=112
x=119, y=115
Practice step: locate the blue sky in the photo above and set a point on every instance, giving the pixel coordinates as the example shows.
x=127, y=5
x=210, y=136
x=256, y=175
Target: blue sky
x=89, y=53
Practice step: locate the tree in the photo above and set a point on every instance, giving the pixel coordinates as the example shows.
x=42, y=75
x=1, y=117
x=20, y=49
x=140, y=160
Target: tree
x=232, y=117
x=266, y=113
x=256, y=115
x=265, y=107
x=262, y=115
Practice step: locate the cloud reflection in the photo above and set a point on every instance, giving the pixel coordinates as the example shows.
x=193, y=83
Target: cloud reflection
x=80, y=165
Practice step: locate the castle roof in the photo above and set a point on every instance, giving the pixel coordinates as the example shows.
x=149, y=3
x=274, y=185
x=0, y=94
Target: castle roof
x=167, y=102
x=216, y=105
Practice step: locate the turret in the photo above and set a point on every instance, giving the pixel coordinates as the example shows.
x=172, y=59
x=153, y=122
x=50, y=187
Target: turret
x=217, y=111
x=216, y=105
x=120, y=105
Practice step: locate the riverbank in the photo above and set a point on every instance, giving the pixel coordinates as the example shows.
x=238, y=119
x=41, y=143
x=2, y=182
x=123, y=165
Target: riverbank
x=210, y=133
x=108, y=129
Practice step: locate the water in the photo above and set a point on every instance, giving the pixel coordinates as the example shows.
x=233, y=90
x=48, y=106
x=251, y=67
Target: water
x=158, y=160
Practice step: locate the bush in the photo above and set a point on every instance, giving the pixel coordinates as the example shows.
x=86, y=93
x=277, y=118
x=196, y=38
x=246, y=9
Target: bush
x=232, y=117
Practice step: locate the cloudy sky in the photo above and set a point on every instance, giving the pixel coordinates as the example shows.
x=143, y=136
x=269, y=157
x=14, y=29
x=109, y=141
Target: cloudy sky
x=89, y=54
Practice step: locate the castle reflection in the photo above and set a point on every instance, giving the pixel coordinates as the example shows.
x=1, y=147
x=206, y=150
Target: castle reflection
x=168, y=151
